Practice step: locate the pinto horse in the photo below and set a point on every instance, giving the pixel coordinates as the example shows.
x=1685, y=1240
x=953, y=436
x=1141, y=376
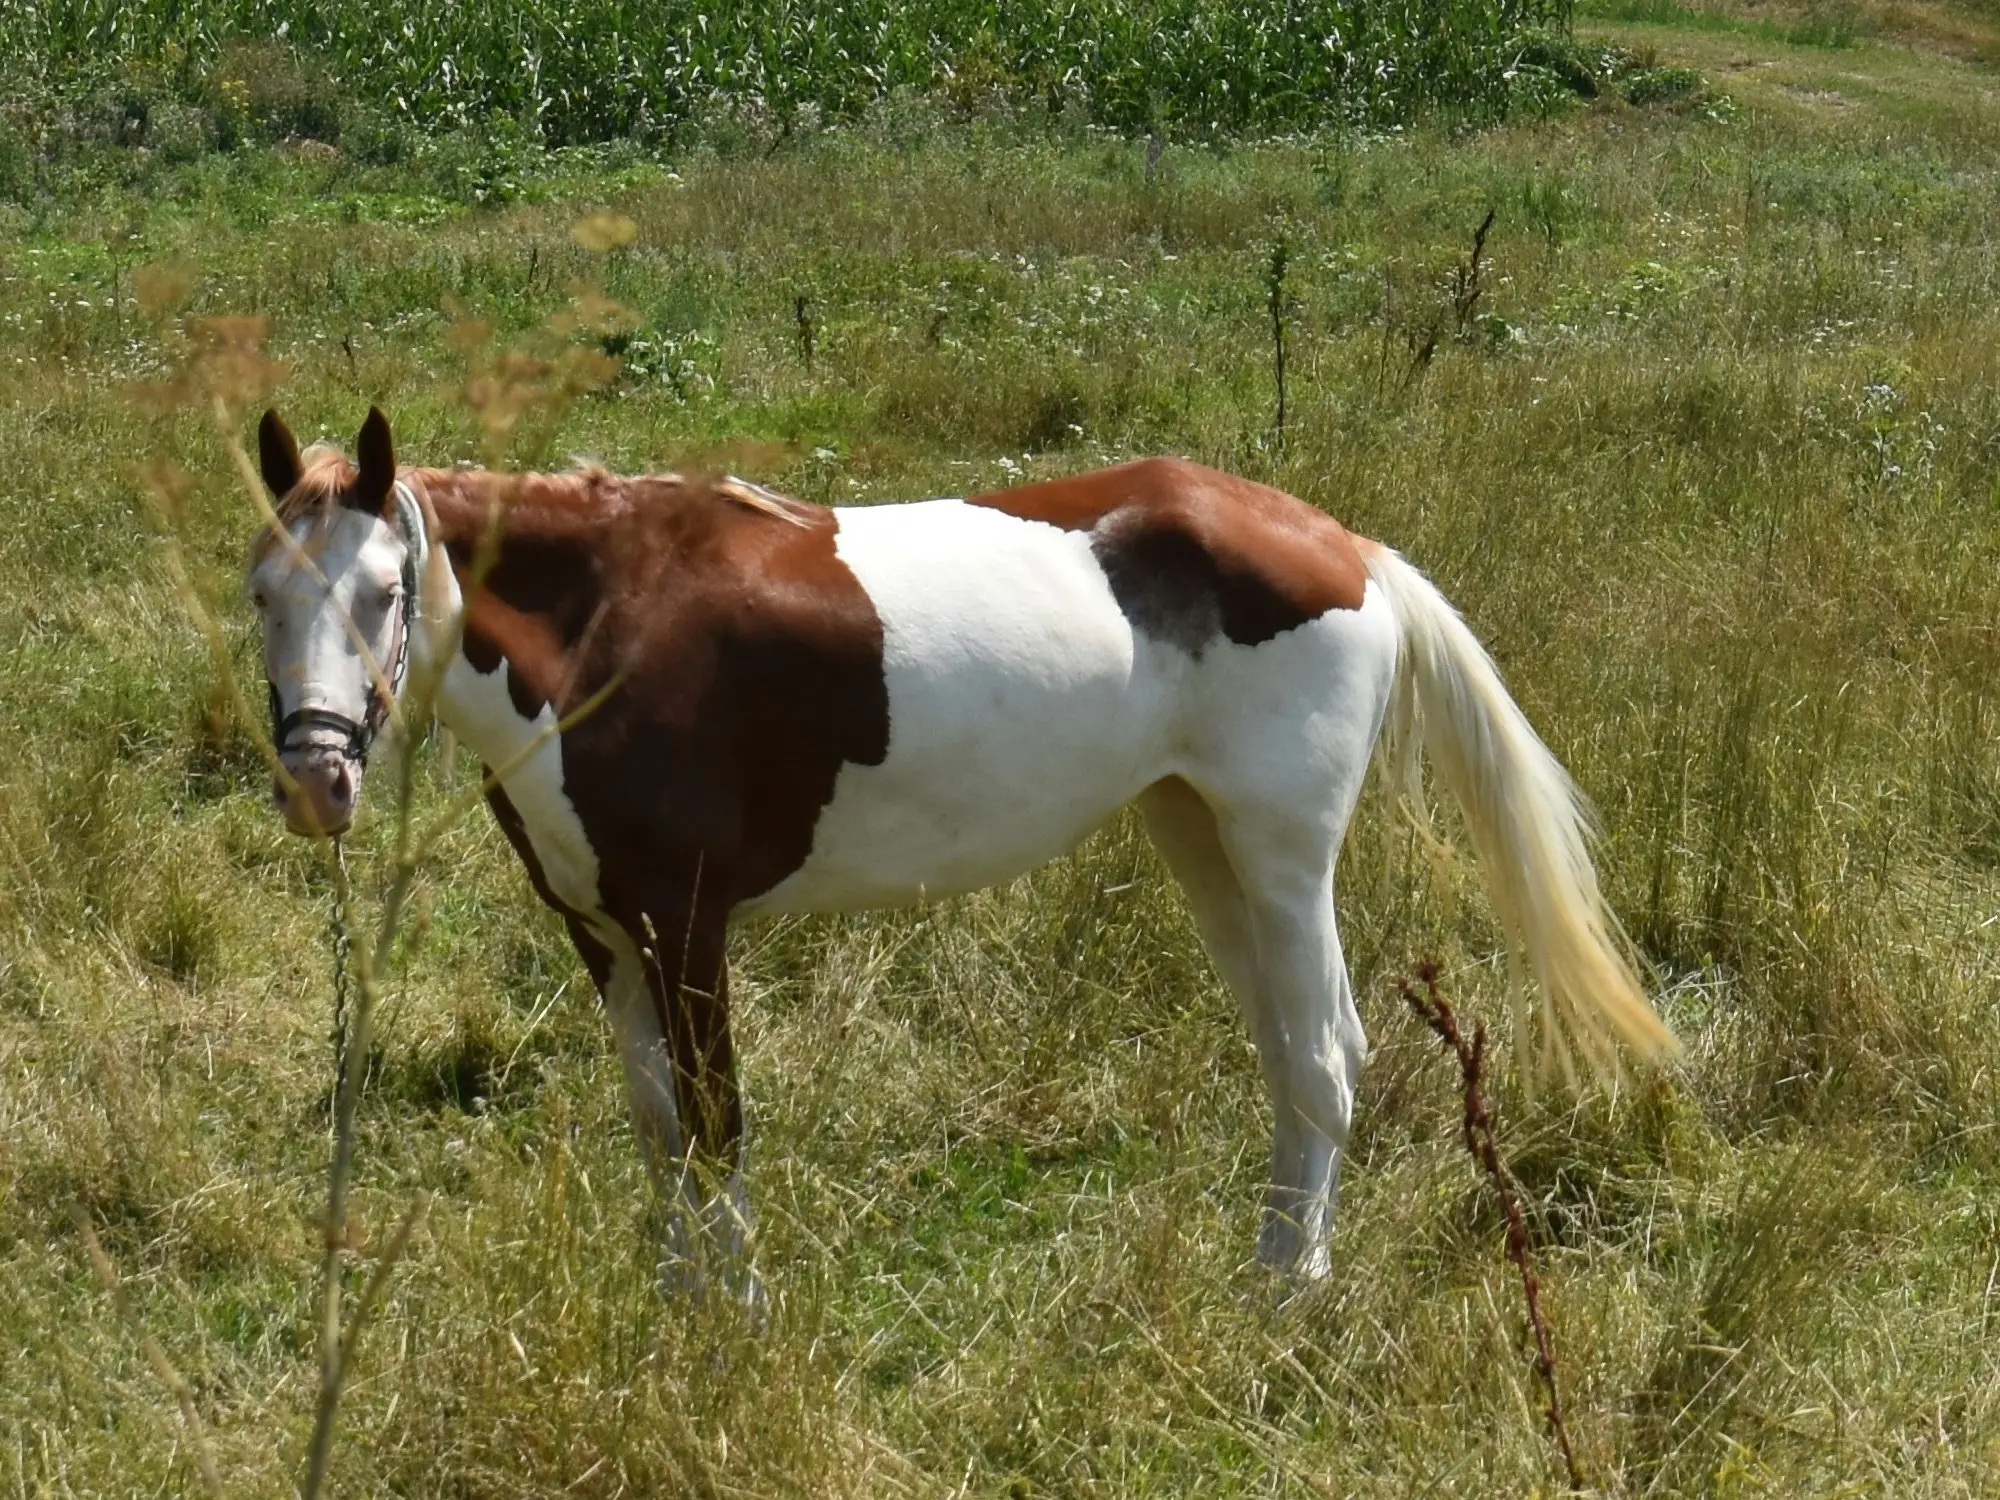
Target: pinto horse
x=802, y=709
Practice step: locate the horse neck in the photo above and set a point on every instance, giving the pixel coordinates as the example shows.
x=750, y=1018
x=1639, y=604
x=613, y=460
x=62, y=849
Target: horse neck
x=527, y=557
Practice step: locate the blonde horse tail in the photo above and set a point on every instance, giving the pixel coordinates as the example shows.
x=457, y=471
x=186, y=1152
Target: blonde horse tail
x=1529, y=827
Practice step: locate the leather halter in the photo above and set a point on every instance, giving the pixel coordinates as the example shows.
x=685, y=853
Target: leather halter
x=360, y=733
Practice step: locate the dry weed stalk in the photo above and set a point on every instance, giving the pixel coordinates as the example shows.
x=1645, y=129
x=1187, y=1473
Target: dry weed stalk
x=223, y=369
x=1466, y=285
x=1482, y=1142
x=802, y=319
x=1279, y=301
x=507, y=388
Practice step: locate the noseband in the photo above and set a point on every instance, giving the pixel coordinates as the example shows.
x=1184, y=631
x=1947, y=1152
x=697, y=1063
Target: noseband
x=360, y=733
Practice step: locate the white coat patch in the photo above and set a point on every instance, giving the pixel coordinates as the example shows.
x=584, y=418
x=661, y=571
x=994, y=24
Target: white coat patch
x=1022, y=708
x=478, y=708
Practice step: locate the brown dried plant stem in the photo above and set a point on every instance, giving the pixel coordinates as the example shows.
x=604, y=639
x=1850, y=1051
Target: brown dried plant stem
x=337, y=1343
x=1279, y=301
x=342, y=937
x=802, y=319
x=368, y=962
x=1481, y=1134
x=231, y=368
x=338, y=1347
x=499, y=400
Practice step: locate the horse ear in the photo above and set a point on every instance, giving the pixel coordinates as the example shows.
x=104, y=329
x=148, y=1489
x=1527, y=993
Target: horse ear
x=375, y=451
x=278, y=453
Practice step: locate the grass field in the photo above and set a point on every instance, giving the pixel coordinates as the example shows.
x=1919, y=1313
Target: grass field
x=1713, y=466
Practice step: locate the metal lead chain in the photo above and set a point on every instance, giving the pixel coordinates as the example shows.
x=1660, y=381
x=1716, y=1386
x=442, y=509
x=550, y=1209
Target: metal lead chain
x=343, y=945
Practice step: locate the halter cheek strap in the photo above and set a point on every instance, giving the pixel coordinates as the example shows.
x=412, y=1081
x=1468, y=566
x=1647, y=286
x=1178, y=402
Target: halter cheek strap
x=360, y=734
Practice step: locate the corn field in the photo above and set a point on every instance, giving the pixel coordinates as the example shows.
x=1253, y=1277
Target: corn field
x=594, y=70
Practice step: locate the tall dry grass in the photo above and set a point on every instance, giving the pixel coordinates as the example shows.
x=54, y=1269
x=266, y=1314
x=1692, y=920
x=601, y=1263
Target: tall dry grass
x=1718, y=488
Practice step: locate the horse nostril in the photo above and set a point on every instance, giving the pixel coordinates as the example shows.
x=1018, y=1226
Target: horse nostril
x=342, y=790
x=278, y=791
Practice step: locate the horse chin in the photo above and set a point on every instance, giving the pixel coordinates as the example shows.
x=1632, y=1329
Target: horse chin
x=323, y=789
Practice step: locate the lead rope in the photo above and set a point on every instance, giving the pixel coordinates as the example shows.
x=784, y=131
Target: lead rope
x=343, y=948
x=411, y=515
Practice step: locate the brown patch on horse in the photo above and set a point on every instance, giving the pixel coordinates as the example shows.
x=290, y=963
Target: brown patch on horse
x=323, y=479
x=744, y=646
x=748, y=664
x=1192, y=553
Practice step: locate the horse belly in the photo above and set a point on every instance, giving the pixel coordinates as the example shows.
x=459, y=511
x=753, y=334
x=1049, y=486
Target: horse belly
x=1022, y=710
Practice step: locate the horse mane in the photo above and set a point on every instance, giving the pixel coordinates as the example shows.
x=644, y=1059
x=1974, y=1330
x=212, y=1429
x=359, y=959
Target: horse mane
x=329, y=474
x=770, y=502
x=589, y=479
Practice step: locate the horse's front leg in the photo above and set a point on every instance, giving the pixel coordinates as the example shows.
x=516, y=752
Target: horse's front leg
x=694, y=996
x=634, y=1013
x=668, y=1000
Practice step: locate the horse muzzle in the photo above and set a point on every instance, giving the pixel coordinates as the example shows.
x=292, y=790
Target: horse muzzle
x=324, y=786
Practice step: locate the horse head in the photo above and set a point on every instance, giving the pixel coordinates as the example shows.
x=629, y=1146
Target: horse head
x=337, y=585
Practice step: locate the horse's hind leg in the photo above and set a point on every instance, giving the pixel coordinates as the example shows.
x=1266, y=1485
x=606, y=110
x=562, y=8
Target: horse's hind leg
x=1284, y=863
x=1183, y=828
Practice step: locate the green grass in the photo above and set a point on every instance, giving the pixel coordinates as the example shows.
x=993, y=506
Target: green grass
x=1717, y=481
x=1834, y=26
x=1967, y=29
